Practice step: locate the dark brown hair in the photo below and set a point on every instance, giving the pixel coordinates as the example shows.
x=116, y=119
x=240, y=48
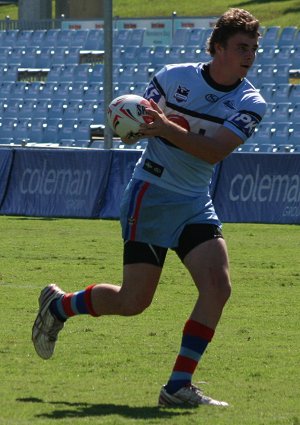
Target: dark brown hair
x=230, y=23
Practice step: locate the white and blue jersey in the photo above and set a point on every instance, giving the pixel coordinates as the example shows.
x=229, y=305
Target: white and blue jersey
x=170, y=188
x=187, y=94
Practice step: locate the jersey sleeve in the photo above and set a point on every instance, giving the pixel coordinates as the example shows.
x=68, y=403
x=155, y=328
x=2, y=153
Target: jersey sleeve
x=251, y=110
x=155, y=89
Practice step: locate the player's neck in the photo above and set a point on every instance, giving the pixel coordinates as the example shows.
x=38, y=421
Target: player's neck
x=222, y=75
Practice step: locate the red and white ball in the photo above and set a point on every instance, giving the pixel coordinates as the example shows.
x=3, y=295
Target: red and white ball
x=126, y=113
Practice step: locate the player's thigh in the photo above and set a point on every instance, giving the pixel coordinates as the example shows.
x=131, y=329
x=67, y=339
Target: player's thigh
x=208, y=265
x=143, y=264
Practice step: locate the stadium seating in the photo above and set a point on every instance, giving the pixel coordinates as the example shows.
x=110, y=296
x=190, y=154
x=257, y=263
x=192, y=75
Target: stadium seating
x=69, y=89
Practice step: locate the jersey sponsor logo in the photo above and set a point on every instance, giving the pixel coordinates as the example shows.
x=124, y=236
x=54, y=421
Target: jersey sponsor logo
x=181, y=94
x=245, y=122
x=212, y=98
x=153, y=168
x=152, y=92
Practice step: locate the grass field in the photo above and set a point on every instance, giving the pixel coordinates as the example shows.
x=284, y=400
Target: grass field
x=268, y=12
x=109, y=370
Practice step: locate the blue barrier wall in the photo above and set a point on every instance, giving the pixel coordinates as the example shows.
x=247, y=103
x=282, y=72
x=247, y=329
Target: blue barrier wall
x=89, y=183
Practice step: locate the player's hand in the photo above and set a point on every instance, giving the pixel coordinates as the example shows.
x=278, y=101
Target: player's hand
x=160, y=123
x=132, y=138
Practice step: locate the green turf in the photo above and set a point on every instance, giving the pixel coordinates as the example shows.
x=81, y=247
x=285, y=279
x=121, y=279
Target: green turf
x=275, y=12
x=109, y=370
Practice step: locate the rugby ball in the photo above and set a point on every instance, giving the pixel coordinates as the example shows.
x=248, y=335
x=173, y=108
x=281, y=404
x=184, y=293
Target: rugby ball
x=126, y=113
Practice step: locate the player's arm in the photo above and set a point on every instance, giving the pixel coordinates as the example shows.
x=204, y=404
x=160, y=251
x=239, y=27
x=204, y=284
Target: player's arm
x=209, y=149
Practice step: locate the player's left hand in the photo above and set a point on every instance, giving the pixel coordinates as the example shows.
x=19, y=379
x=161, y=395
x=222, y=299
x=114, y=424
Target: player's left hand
x=160, y=123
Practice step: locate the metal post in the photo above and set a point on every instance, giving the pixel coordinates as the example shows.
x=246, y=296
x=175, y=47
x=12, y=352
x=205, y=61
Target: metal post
x=108, y=66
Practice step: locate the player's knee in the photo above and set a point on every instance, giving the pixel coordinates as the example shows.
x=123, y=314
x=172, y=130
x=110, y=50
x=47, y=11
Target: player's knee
x=135, y=306
x=222, y=285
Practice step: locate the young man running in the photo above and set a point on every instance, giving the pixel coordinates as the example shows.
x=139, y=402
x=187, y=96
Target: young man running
x=201, y=113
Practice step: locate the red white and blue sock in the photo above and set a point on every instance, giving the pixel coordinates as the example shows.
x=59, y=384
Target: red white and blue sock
x=194, y=342
x=73, y=304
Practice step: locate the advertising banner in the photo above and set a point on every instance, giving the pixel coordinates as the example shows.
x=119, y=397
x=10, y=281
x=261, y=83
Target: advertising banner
x=6, y=158
x=261, y=188
x=57, y=183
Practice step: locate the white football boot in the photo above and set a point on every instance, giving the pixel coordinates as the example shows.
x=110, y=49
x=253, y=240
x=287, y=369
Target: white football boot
x=46, y=327
x=187, y=396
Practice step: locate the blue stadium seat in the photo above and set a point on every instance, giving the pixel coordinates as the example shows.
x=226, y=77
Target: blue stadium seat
x=284, y=55
x=144, y=54
x=127, y=74
x=54, y=73
x=46, y=90
x=137, y=37
x=72, y=56
x=287, y=36
x=58, y=55
x=139, y=88
x=266, y=147
x=23, y=38
x=284, y=148
x=40, y=108
x=9, y=38
x=294, y=138
x=50, y=38
x=26, y=108
x=43, y=57
x=181, y=37
x=82, y=73
x=6, y=127
x=266, y=55
x=121, y=37
x=67, y=73
x=9, y=73
x=281, y=132
x=296, y=56
x=176, y=54
x=266, y=74
x=295, y=113
x=281, y=74
x=247, y=147
x=195, y=38
x=78, y=38
x=15, y=56
x=269, y=111
x=61, y=91
x=17, y=90
x=37, y=38
x=253, y=74
x=71, y=109
x=64, y=38
x=281, y=93
x=55, y=108
x=4, y=53
x=29, y=58
x=5, y=88
x=20, y=130
x=267, y=90
x=51, y=130
x=95, y=40
x=93, y=91
x=10, y=108
x=160, y=55
x=264, y=133
x=77, y=90
x=281, y=111
x=97, y=74
x=33, y=90
x=190, y=54
x=294, y=94
x=128, y=55
x=271, y=36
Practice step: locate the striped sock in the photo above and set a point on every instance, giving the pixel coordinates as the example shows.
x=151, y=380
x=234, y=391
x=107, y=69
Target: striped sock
x=73, y=304
x=194, y=342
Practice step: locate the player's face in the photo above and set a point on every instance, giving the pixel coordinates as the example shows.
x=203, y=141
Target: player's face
x=239, y=54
